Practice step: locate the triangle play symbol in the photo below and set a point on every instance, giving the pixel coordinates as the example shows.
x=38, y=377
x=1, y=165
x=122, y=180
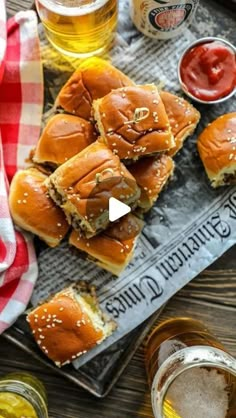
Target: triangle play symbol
x=117, y=209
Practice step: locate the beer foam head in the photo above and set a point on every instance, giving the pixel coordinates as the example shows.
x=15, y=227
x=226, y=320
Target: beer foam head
x=198, y=393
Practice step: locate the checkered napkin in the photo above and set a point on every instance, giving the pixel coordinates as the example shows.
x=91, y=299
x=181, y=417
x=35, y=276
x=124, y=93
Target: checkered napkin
x=21, y=99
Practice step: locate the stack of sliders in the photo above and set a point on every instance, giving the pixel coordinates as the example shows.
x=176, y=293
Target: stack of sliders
x=111, y=138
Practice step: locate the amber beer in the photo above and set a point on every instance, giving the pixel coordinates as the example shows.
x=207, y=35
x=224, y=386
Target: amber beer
x=190, y=372
x=79, y=28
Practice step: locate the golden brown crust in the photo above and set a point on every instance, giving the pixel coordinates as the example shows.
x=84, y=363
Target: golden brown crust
x=133, y=122
x=151, y=175
x=217, y=149
x=33, y=210
x=94, y=79
x=62, y=328
x=114, y=247
x=87, y=181
x=183, y=118
x=63, y=137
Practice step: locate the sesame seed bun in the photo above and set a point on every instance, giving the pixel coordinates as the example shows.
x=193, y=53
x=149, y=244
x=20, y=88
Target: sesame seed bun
x=132, y=121
x=69, y=324
x=183, y=118
x=151, y=175
x=113, y=249
x=93, y=79
x=84, y=184
x=32, y=208
x=63, y=137
x=217, y=149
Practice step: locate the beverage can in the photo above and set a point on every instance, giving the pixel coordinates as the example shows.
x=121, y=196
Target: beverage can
x=162, y=19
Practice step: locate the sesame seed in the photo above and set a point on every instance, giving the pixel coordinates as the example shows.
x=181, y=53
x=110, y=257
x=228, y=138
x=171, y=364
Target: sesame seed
x=229, y=131
x=26, y=194
x=123, y=95
x=127, y=246
x=19, y=201
x=39, y=342
x=41, y=337
x=58, y=224
x=57, y=363
x=45, y=310
x=61, y=309
x=104, y=115
x=35, y=320
x=24, y=201
x=110, y=130
x=48, y=320
x=176, y=125
x=40, y=329
x=46, y=351
x=87, y=244
x=54, y=316
x=155, y=101
x=48, y=326
x=122, y=250
x=231, y=156
x=43, y=317
x=53, y=325
x=73, y=357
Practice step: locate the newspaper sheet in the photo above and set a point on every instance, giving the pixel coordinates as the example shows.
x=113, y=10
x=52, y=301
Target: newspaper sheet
x=191, y=224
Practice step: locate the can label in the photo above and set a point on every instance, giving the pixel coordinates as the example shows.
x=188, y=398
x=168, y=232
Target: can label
x=162, y=19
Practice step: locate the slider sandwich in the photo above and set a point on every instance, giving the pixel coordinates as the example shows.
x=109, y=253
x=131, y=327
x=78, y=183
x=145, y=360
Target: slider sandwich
x=151, y=175
x=63, y=137
x=132, y=121
x=84, y=184
x=183, y=118
x=113, y=249
x=69, y=324
x=32, y=208
x=217, y=149
x=93, y=79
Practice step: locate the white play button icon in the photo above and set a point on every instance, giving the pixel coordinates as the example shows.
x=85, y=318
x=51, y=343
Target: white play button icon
x=117, y=209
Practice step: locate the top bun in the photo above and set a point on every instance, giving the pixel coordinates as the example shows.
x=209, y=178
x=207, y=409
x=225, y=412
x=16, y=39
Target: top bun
x=183, y=118
x=217, y=149
x=132, y=121
x=63, y=137
x=93, y=79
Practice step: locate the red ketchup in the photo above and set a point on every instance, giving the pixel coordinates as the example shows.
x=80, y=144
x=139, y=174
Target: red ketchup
x=208, y=70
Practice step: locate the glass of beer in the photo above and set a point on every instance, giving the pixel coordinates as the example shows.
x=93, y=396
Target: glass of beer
x=79, y=28
x=190, y=373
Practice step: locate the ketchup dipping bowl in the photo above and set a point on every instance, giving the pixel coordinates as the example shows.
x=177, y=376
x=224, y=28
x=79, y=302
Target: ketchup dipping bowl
x=207, y=70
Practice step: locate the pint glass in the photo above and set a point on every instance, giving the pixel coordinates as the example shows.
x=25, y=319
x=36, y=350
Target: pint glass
x=189, y=372
x=80, y=28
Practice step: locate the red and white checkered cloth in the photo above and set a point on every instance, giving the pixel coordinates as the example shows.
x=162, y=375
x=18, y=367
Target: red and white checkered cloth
x=21, y=101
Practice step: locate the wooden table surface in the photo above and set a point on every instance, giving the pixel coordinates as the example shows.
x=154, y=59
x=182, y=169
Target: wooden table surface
x=210, y=297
